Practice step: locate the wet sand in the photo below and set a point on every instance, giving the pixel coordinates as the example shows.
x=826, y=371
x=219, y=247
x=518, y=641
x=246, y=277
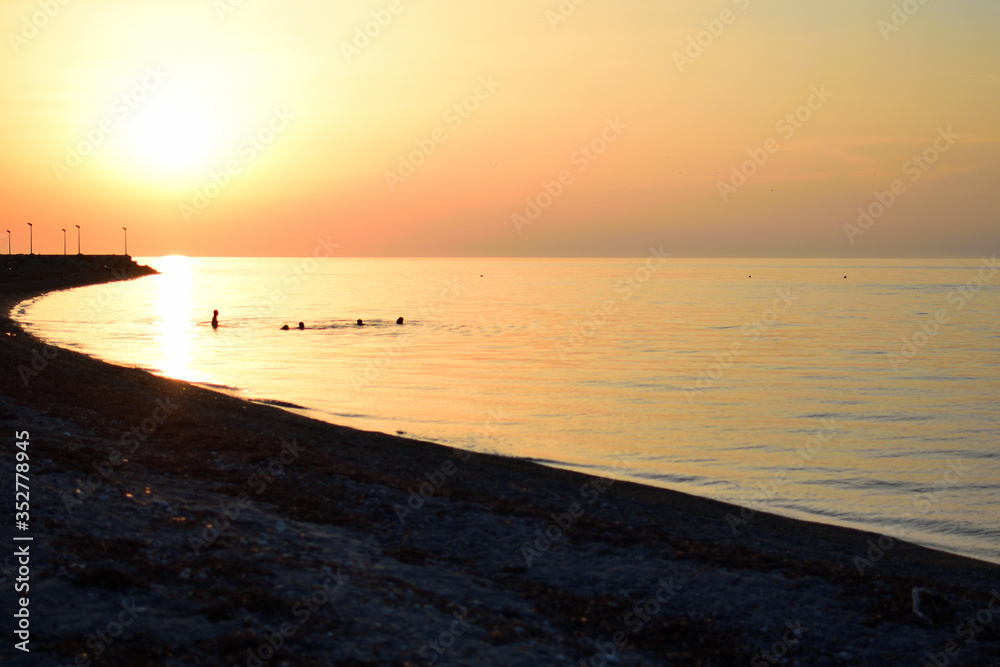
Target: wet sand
x=174, y=525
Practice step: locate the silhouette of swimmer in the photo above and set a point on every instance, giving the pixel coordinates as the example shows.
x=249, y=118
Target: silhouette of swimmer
x=284, y=328
x=301, y=326
x=361, y=323
x=215, y=319
x=399, y=321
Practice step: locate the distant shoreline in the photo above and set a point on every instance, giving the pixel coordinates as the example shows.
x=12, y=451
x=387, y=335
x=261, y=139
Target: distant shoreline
x=502, y=538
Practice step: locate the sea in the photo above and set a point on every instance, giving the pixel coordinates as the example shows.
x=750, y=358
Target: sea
x=862, y=393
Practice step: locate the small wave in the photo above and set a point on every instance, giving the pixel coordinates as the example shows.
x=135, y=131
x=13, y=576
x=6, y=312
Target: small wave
x=559, y=464
x=278, y=404
x=214, y=385
x=861, y=484
x=893, y=417
x=672, y=479
x=943, y=455
x=812, y=510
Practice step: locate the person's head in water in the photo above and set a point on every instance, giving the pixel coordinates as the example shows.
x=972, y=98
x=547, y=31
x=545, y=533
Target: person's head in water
x=215, y=319
x=399, y=321
x=284, y=328
x=361, y=323
x=301, y=325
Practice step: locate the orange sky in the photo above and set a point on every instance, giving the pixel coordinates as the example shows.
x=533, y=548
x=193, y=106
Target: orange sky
x=514, y=127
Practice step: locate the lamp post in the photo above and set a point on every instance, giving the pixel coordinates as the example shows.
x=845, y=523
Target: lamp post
x=8, y=241
x=31, y=248
x=78, y=240
x=64, y=241
x=126, y=241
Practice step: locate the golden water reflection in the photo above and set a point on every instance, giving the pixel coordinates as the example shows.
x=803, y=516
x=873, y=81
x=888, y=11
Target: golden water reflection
x=174, y=326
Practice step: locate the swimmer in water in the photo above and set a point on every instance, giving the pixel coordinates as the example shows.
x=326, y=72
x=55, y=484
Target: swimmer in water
x=301, y=326
x=284, y=328
x=215, y=319
x=399, y=321
x=361, y=323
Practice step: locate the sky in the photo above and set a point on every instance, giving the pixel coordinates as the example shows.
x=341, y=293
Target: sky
x=857, y=128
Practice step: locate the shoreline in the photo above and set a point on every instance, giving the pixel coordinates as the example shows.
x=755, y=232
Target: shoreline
x=950, y=533
x=519, y=563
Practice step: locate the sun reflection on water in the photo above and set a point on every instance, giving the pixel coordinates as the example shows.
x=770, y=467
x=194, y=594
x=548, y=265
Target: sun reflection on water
x=174, y=325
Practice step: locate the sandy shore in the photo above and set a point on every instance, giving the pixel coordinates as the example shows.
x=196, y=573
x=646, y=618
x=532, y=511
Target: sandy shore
x=173, y=525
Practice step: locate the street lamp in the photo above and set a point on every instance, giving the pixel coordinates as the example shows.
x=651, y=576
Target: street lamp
x=78, y=240
x=64, y=242
x=8, y=241
x=31, y=249
x=126, y=241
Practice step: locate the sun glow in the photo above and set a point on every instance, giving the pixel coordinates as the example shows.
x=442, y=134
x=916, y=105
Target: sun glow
x=180, y=131
x=152, y=115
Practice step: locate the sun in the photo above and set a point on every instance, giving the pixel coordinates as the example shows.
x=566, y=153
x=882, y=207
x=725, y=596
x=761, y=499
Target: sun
x=181, y=130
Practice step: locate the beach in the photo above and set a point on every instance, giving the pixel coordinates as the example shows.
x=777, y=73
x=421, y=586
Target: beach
x=174, y=525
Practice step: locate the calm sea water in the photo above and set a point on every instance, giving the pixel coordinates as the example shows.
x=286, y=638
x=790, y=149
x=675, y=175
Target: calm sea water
x=869, y=400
